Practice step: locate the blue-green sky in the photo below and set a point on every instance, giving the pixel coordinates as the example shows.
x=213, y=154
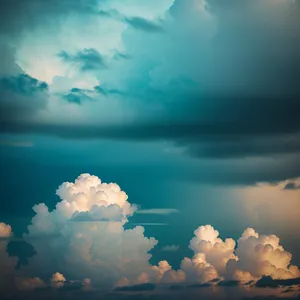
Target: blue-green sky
x=190, y=106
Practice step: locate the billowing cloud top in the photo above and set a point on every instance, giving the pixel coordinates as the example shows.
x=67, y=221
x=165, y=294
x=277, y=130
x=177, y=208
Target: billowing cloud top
x=87, y=199
x=5, y=230
x=82, y=244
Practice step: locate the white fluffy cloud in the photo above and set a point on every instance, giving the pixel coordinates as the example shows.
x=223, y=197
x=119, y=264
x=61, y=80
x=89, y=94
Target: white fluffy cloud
x=99, y=247
x=84, y=239
x=254, y=257
x=217, y=251
x=262, y=255
x=86, y=198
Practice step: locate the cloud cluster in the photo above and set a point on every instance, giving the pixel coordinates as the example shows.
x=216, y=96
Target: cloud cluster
x=206, y=78
x=87, y=229
x=254, y=257
x=86, y=199
x=84, y=239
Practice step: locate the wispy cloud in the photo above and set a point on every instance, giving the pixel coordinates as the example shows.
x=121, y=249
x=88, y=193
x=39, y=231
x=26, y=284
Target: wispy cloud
x=158, y=211
x=170, y=248
x=150, y=224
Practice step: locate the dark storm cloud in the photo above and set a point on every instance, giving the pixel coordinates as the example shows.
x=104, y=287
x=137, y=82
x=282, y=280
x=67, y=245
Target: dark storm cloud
x=86, y=59
x=232, y=95
x=275, y=283
x=22, y=250
x=17, y=15
x=253, y=107
x=21, y=96
x=77, y=96
x=143, y=24
x=23, y=84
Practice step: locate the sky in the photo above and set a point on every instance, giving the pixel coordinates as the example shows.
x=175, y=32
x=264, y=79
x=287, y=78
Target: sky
x=149, y=149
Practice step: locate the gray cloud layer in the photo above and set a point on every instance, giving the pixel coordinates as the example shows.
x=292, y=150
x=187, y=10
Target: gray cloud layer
x=217, y=81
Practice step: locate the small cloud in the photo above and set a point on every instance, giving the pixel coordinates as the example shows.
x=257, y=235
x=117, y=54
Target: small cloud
x=23, y=84
x=292, y=185
x=87, y=59
x=268, y=281
x=143, y=24
x=77, y=96
x=108, y=91
x=5, y=230
x=120, y=55
x=150, y=224
x=170, y=248
x=158, y=211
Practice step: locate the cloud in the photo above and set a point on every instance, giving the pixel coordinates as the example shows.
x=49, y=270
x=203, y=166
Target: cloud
x=29, y=283
x=22, y=250
x=86, y=59
x=150, y=224
x=262, y=255
x=170, y=248
x=23, y=84
x=158, y=211
x=104, y=256
x=254, y=257
x=21, y=97
x=101, y=250
x=58, y=280
x=5, y=230
x=198, y=84
x=143, y=24
x=217, y=252
x=268, y=281
x=87, y=196
x=292, y=185
x=89, y=199
x=77, y=96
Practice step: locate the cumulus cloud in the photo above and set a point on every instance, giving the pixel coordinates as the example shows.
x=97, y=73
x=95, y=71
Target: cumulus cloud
x=256, y=256
x=88, y=231
x=262, y=255
x=58, y=280
x=84, y=239
x=87, y=197
x=5, y=230
x=217, y=251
